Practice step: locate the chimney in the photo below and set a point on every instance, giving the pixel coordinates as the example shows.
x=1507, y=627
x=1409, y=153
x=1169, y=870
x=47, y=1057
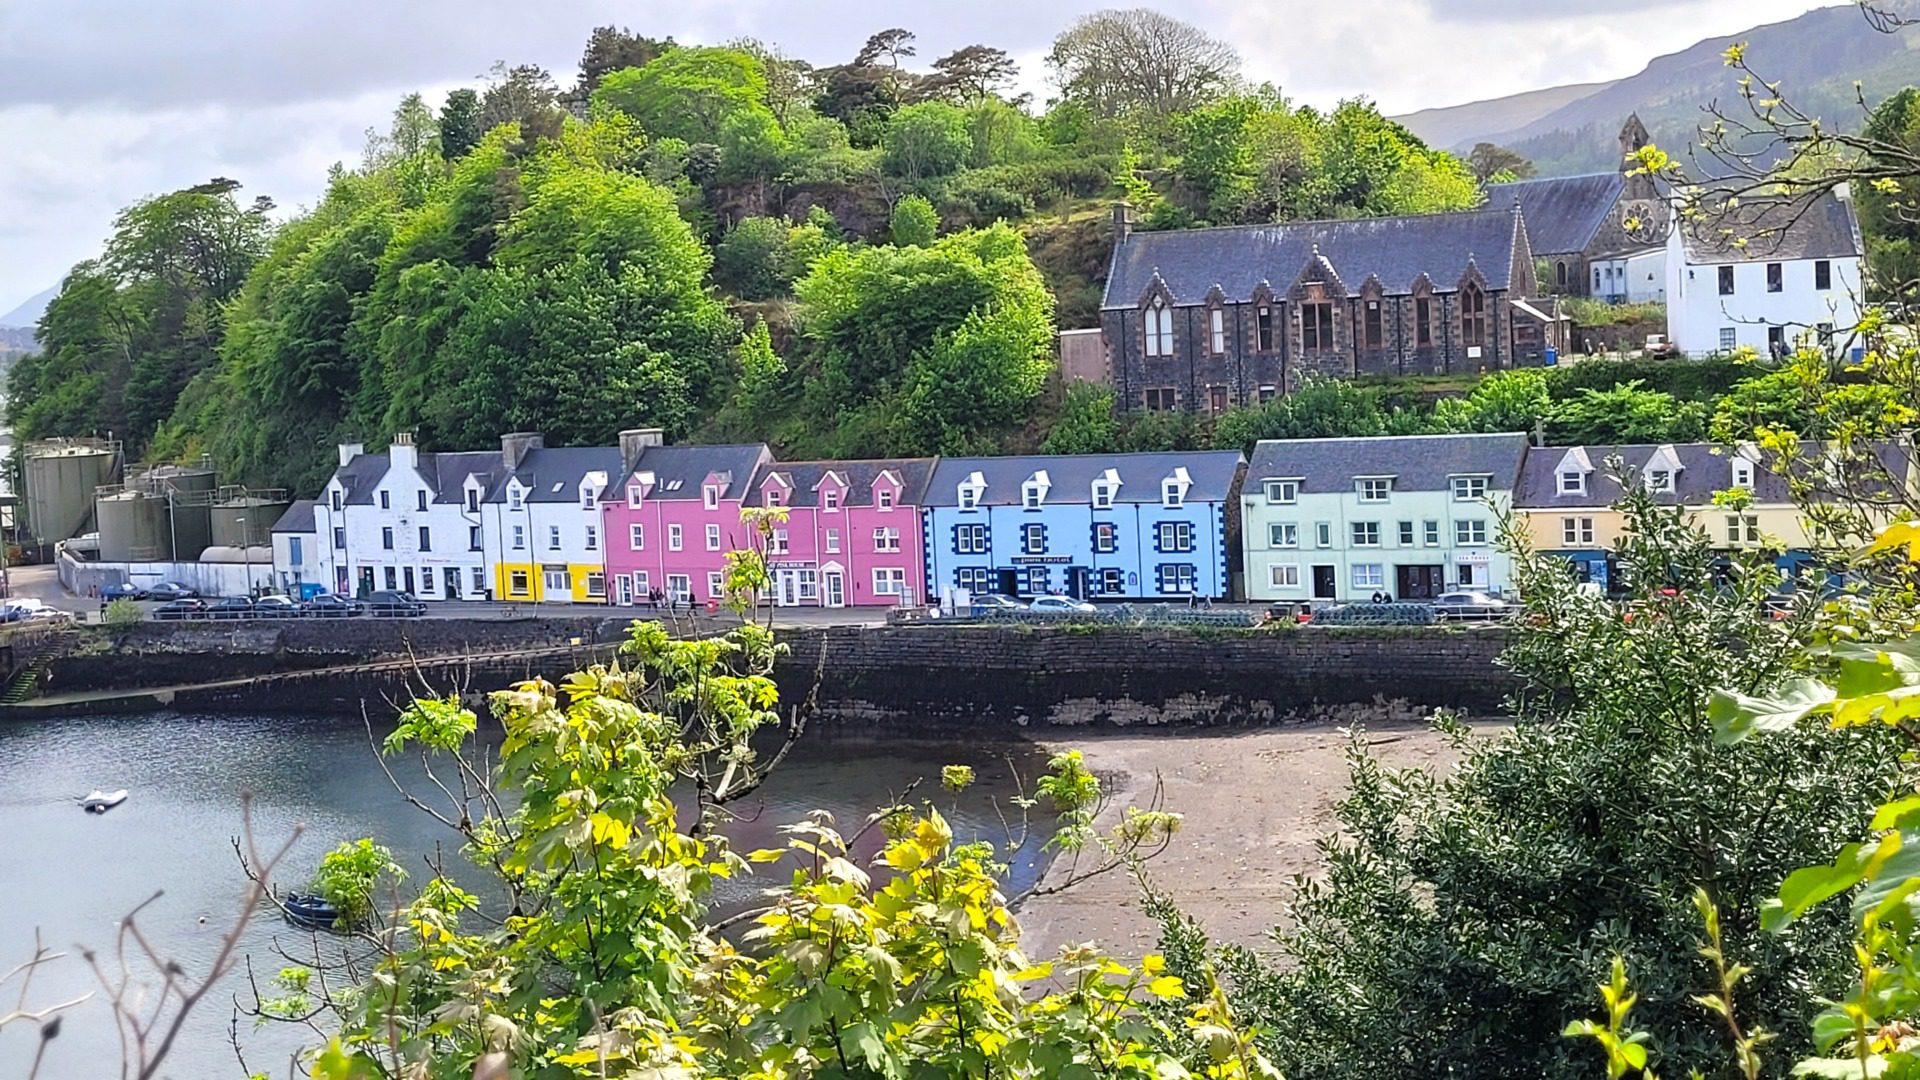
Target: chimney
x=515, y=447
x=634, y=442
x=1843, y=191
x=401, y=453
x=349, y=451
x=1122, y=221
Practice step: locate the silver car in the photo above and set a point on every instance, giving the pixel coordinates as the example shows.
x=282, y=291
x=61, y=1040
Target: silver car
x=1470, y=604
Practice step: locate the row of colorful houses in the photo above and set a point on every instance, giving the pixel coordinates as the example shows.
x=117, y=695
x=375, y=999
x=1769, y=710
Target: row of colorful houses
x=1308, y=520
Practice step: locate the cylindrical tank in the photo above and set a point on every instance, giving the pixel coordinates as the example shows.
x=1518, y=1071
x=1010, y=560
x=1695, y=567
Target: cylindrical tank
x=246, y=521
x=60, y=479
x=186, y=491
x=133, y=528
x=179, y=479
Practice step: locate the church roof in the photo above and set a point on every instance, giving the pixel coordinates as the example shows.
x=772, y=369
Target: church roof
x=1564, y=213
x=1397, y=250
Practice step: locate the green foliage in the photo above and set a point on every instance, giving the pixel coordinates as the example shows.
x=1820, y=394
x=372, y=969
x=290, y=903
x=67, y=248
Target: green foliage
x=914, y=222
x=1589, y=312
x=1886, y=207
x=1462, y=916
x=1321, y=408
x=928, y=139
x=460, y=128
x=690, y=93
x=1628, y=413
x=348, y=876
x=121, y=614
x=1502, y=401
x=752, y=261
x=1086, y=425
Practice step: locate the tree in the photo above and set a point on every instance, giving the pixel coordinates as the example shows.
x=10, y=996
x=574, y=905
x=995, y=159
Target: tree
x=889, y=45
x=524, y=95
x=1086, y=424
x=1889, y=213
x=927, y=140
x=751, y=260
x=690, y=93
x=1488, y=163
x=970, y=73
x=460, y=123
x=914, y=223
x=1319, y=409
x=611, y=49
x=1119, y=62
x=1627, y=413
x=1516, y=400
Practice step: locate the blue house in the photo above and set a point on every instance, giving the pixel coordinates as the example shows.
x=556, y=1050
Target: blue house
x=1096, y=526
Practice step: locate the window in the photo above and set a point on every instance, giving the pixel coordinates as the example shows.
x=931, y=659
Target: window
x=1283, y=492
x=393, y=580
x=1157, y=322
x=1160, y=398
x=1175, y=536
x=636, y=537
x=830, y=501
x=1743, y=529
x=473, y=538
x=635, y=496
x=889, y=581
x=1323, y=534
x=1470, y=532
x=710, y=497
x=386, y=500
x=1037, y=580
x=386, y=537
x=557, y=579
x=1316, y=326
x=716, y=584
x=1111, y=581
x=1776, y=341
x=1430, y=533
x=426, y=538
x=515, y=498
x=293, y=551
x=334, y=497
x=553, y=538
x=1659, y=480
x=473, y=500
x=641, y=587
x=1268, y=393
x=1033, y=539
x=1469, y=488
x=1371, y=322
x=589, y=499
x=1422, y=321
x=1102, y=495
x=1366, y=534
x=419, y=500
x=1179, y=579
x=713, y=537
x=1283, y=534
x=969, y=539
x=673, y=538
x=479, y=581
x=1217, y=398
x=969, y=497
x=1742, y=473
x=883, y=497
x=1774, y=278
x=1822, y=274
x=833, y=541
x=593, y=538
x=1263, y=326
x=679, y=586
x=1217, y=331
x=519, y=537
x=1369, y=575
x=1473, y=316
x=1375, y=490
x=1576, y=531
x=1406, y=534
x=1560, y=274
x=1172, y=492
x=1284, y=575
x=974, y=579
x=517, y=583
x=340, y=538
x=886, y=539
x=777, y=542
x=1032, y=495
x=1726, y=281
x=1106, y=539
x=1573, y=482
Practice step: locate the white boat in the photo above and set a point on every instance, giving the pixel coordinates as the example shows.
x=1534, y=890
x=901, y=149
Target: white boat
x=99, y=802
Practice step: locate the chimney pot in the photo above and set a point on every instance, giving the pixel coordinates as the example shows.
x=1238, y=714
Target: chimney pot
x=1122, y=221
x=349, y=451
x=634, y=442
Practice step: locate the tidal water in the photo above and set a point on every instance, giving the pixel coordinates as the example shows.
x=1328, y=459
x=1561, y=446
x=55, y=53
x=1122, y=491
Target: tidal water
x=72, y=875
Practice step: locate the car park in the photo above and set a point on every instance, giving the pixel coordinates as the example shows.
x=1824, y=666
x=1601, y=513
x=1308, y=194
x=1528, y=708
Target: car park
x=392, y=604
x=122, y=590
x=1468, y=604
x=329, y=606
x=275, y=607
x=170, y=590
x=232, y=607
x=184, y=608
x=1061, y=605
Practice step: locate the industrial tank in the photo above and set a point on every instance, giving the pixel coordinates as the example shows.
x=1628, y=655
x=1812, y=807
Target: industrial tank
x=133, y=527
x=244, y=521
x=188, y=492
x=60, y=479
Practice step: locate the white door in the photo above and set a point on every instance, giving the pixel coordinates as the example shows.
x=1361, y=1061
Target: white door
x=836, y=588
x=623, y=589
x=789, y=582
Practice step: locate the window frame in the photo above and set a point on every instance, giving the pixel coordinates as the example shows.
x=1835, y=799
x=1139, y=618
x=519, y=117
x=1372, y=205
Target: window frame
x=1283, y=535
x=1364, y=533
x=1725, y=280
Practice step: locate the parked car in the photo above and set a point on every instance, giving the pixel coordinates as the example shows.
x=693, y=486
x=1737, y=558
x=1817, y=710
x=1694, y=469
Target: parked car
x=390, y=604
x=170, y=590
x=122, y=590
x=232, y=607
x=275, y=607
x=1658, y=346
x=1061, y=605
x=993, y=604
x=330, y=606
x=184, y=608
x=1470, y=605
x=28, y=609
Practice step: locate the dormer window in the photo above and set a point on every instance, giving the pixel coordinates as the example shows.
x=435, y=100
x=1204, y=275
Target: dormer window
x=588, y=499
x=883, y=498
x=710, y=496
x=1375, y=489
x=473, y=500
x=830, y=501
x=635, y=496
x=1743, y=473
x=1469, y=488
x=969, y=497
x=333, y=497
x=776, y=497
x=1283, y=492
x=1660, y=480
x=1573, y=482
x=515, y=497
x=1034, y=492
x=1102, y=495
x=1172, y=492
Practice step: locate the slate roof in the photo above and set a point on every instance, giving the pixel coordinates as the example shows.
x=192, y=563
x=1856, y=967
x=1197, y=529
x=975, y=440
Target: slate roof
x=1706, y=468
x=1212, y=471
x=1563, y=213
x=360, y=476
x=1238, y=258
x=679, y=471
x=1416, y=462
x=804, y=479
x=298, y=518
x=553, y=474
x=1774, y=230
x=447, y=473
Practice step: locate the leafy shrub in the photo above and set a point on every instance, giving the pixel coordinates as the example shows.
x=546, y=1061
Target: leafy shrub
x=751, y=261
x=914, y=223
x=121, y=614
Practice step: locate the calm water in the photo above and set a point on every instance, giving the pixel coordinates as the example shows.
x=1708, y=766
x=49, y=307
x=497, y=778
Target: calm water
x=73, y=875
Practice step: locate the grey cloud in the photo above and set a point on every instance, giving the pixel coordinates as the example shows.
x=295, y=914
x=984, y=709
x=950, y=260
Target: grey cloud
x=1536, y=12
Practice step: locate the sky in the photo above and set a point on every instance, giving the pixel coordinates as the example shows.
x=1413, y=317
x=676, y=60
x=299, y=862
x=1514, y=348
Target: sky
x=103, y=102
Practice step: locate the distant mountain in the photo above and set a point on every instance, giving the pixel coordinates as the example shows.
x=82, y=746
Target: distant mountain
x=28, y=313
x=1816, y=57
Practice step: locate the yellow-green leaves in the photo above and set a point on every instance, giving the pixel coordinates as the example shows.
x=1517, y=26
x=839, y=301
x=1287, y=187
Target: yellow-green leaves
x=1626, y=1050
x=1736, y=716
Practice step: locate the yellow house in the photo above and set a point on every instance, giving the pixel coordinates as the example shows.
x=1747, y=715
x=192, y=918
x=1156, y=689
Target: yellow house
x=541, y=523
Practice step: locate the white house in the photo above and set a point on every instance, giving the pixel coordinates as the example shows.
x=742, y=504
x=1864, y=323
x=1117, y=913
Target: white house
x=1797, y=273
x=404, y=520
x=1636, y=277
x=541, y=524
x=297, y=552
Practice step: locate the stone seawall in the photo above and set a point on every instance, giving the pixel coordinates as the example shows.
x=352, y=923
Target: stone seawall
x=918, y=675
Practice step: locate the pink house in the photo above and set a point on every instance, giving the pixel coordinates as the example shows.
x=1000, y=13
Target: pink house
x=852, y=536
x=674, y=515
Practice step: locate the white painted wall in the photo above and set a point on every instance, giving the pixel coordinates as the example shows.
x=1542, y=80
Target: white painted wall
x=1697, y=312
